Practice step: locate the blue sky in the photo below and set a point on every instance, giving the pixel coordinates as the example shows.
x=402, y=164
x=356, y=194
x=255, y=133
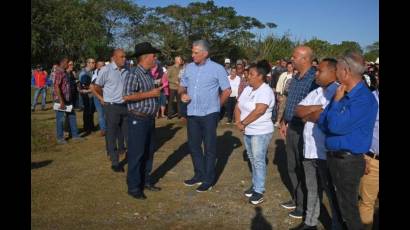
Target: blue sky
x=330, y=20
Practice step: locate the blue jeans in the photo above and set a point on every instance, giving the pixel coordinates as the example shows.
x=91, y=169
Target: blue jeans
x=100, y=111
x=203, y=129
x=43, y=92
x=140, y=154
x=256, y=148
x=60, y=116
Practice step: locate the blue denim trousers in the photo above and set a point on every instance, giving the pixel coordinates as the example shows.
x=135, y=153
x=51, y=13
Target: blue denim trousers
x=100, y=111
x=43, y=92
x=203, y=129
x=256, y=148
x=60, y=117
x=141, y=143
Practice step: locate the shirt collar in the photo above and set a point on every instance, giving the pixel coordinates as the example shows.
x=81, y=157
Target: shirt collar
x=206, y=61
x=114, y=65
x=311, y=71
x=142, y=69
x=355, y=89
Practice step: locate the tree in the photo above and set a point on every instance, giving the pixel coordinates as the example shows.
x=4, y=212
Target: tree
x=372, y=52
x=320, y=48
x=344, y=47
x=174, y=28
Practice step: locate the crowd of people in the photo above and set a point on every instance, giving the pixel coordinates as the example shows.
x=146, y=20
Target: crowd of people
x=326, y=111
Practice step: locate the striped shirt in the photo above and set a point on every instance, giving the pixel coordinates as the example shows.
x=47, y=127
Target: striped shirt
x=140, y=80
x=298, y=89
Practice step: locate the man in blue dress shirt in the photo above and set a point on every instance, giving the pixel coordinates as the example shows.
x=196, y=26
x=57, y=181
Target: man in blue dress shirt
x=200, y=86
x=348, y=123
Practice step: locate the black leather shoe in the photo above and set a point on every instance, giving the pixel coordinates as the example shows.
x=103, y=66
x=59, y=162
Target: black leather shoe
x=117, y=168
x=304, y=226
x=152, y=188
x=138, y=195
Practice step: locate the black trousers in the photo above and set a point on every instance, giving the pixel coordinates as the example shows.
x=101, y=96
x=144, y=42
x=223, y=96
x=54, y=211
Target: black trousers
x=117, y=129
x=173, y=107
x=230, y=107
x=88, y=113
x=294, y=153
x=346, y=173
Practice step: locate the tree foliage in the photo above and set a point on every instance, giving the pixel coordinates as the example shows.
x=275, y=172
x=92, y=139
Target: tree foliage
x=91, y=28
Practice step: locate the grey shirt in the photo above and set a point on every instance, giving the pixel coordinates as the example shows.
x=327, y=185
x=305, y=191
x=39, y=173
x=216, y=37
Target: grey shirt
x=111, y=79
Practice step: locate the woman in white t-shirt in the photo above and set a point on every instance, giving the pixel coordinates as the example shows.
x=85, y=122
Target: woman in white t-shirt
x=253, y=114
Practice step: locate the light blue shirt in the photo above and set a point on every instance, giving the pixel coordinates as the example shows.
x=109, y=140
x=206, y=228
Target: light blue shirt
x=375, y=141
x=203, y=83
x=111, y=79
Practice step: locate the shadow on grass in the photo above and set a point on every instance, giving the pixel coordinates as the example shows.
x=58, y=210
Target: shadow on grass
x=36, y=165
x=280, y=160
x=259, y=222
x=225, y=146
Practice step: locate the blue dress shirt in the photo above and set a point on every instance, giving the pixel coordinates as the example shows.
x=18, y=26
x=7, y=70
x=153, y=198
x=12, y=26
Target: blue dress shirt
x=348, y=123
x=203, y=83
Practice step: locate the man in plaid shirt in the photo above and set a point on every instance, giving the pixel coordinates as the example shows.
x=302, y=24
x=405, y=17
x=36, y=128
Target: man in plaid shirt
x=292, y=127
x=62, y=95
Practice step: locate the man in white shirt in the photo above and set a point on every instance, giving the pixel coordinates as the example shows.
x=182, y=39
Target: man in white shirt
x=314, y=149
x=234, y=81
x=280, y=91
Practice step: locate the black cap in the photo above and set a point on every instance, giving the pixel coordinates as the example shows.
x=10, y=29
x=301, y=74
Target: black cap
x=144, y=48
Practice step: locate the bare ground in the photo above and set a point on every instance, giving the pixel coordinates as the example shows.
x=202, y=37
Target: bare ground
x=73, y=187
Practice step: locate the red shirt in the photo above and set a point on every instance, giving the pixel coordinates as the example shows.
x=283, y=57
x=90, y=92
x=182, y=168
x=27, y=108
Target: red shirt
x=40, y=78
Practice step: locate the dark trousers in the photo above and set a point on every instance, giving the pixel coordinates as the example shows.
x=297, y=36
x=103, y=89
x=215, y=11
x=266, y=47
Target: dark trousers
x=294, y=150
x=88, y=112
x=140, y=155
x=230, y=107
x=203, y=129
x=116, y=121
x=183, y=108
x=172, y=106
x=346, y=173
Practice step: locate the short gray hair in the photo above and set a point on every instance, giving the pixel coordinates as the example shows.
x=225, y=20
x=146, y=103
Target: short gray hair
x=354, y=61
x=203, y=44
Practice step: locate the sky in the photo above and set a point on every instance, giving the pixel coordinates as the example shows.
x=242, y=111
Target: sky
x=331, y=20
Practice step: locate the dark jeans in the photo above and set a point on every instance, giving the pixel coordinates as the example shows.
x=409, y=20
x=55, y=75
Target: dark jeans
x=116, y=118
x=346, y=173
x=88, y=113
x=230, y=107
x=173, y=95
x=140, y=151
x=294, y=150
x=203, y=129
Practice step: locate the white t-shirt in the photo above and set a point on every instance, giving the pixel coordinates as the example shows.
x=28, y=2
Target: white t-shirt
x=247, y=103
x=234, y=85
x=313, y=136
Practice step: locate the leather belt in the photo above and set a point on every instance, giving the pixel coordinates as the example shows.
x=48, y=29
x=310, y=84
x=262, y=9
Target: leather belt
x=112, y=103
x=373, y=155
x=341, y=154
x=139, y=114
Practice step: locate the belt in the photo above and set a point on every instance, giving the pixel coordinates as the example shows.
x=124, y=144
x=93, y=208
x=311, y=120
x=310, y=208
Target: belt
x=139, y=114
x=373, y=155
x=112, y=103
x=341, y=154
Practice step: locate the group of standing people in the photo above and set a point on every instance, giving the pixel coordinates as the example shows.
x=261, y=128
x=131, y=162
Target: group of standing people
x=327, y=116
